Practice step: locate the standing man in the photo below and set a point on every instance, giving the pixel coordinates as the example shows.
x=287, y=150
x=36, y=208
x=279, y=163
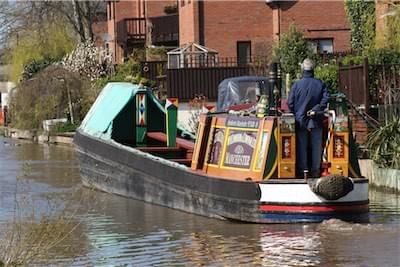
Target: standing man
x=308, y=99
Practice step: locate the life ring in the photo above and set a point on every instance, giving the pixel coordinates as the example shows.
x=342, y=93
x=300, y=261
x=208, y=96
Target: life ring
x=146, y=68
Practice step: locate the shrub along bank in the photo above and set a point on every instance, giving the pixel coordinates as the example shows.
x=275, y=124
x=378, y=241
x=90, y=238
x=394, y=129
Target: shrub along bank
x=66, y=89
x=384, y=145
x=52, y=93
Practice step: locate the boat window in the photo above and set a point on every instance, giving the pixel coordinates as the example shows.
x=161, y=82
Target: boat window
x=248, y=91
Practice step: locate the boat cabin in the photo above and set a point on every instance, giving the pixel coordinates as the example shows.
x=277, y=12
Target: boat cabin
x=238, y=91
x=254, y=148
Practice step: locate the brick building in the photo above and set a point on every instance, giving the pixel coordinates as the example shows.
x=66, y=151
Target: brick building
x=139, y=23
x=99, y=28
x=246, y=29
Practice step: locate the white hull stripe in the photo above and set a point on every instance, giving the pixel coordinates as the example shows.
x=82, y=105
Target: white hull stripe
x=302, y=194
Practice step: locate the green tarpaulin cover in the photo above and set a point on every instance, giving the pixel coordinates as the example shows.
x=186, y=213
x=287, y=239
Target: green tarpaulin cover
x=113, y=98
x=110, y=102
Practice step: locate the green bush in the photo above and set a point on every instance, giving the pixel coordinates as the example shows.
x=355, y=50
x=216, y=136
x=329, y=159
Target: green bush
x=328, y=73
x=375, y=56
x=361, y=15
x=383, y=56
x=291, y=50
x=384, y=145
x=352, y=60
x=34, y=67
x=156, y=53
x=46, y=97
x=126, y=72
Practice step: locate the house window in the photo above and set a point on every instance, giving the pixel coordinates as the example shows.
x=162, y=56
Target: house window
x=244, y=52
x=321, y=46
x=182, y=2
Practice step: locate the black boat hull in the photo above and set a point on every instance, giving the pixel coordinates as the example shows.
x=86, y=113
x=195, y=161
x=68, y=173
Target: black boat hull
x=117, y=169
x=109, y=168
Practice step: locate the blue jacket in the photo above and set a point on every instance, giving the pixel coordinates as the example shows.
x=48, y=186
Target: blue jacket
x=308, y=94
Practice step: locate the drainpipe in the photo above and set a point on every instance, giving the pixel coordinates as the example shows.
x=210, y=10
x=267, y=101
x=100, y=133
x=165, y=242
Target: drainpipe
x=201, y=23
x=148, y=41
x=115, y=33
x=276, y=21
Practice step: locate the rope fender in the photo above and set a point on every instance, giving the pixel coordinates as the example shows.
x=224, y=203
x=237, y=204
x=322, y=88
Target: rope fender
x=331, y=187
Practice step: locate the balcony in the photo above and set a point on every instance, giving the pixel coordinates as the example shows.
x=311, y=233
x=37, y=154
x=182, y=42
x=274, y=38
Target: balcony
x=164, y=30
x=135, y=30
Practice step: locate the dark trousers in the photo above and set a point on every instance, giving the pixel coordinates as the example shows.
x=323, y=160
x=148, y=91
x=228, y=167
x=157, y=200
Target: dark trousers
x=308, y=150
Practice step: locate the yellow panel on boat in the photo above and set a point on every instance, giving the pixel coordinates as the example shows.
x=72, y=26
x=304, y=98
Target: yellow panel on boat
x=338, y=153
x=287, y=147
x=287, y=170
x=234, y=147
x=201, y=142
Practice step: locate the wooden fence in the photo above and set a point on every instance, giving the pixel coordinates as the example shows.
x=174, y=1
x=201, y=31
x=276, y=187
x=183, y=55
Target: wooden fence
x=186, y=83
x=353, y=82
x=153, y=70
x=373, y=86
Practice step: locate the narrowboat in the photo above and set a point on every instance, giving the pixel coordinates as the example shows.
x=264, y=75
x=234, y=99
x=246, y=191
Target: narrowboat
x=239, y=166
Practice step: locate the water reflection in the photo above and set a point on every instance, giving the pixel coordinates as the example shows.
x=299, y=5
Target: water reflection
x=299, y=247
x=114, y=231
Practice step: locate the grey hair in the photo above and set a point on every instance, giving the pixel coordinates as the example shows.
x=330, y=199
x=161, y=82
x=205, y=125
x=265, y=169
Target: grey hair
x=307, y=64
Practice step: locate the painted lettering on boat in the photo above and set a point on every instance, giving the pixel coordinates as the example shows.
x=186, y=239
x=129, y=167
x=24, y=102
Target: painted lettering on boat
x=242, y=123
x=240, y=149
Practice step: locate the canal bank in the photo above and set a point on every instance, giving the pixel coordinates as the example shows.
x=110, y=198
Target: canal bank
x=40, y=137
x=385, y=178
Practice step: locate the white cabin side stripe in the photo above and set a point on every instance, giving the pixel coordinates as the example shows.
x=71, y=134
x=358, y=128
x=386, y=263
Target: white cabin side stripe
x=301, y=193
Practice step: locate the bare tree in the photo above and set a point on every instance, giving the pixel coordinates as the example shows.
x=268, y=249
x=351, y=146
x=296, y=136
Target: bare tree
x=80, y=15
x=17, y=17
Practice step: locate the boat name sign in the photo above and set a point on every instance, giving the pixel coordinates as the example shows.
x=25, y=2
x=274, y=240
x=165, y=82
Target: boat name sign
x=243, y=122
x=240, y=149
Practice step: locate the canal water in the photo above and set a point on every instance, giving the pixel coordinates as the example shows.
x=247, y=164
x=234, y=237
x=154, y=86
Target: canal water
x=114, y=231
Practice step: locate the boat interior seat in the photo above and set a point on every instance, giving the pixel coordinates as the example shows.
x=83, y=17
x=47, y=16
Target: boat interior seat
x=180, y=142
x=174, y=154
x=185, y=146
